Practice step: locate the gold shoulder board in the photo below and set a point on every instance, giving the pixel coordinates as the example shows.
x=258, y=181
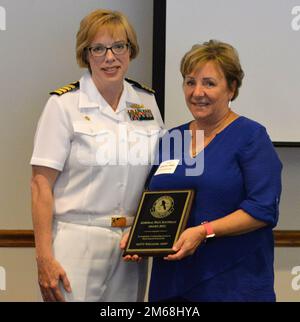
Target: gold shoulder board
x=65, y=89
x=138, y=85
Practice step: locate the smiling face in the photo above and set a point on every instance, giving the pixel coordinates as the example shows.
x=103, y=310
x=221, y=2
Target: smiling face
x=207, y=93
x=110, y=69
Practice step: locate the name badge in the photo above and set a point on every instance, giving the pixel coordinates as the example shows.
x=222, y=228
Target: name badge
x=167, y=167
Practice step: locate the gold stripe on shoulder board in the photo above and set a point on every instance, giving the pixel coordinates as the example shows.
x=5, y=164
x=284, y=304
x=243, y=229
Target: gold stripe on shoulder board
x=139, y=85
x=65, y=89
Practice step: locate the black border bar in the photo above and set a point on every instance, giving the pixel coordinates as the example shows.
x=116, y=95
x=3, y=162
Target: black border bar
x=159, y=53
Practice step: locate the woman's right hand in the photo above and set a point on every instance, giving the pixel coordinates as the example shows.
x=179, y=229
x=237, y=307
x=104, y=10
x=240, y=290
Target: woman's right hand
x=50, y=274
x=128, y=258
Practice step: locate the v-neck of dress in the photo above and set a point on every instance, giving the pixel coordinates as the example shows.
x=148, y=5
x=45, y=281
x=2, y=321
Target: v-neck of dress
x=212, y=142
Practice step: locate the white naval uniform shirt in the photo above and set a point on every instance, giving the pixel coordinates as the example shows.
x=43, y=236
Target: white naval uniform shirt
x=72, y=136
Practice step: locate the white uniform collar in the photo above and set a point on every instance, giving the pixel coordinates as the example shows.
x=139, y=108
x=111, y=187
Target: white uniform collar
x=89, y=96
x=132, y=96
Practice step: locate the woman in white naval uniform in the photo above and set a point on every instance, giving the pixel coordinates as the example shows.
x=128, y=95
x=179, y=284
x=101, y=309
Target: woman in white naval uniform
x=91, y=158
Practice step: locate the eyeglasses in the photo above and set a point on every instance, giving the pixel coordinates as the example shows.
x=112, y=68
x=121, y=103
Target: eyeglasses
x=100, y=50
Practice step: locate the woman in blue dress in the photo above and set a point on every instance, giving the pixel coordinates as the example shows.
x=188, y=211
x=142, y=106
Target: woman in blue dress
x=226, y=252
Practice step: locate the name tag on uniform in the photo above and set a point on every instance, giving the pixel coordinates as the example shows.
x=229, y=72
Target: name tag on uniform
x=167, y=167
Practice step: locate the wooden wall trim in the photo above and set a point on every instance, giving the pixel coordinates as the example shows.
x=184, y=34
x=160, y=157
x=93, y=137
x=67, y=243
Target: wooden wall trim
x=16, y=238
x=287, y=238
x=25, y=238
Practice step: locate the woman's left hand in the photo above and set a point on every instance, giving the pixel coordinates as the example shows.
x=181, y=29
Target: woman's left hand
x=187, y=243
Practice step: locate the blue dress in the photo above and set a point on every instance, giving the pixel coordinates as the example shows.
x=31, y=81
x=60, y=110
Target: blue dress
x=241, y=171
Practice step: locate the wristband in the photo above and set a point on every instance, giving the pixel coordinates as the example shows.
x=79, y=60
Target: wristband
x=209, y=230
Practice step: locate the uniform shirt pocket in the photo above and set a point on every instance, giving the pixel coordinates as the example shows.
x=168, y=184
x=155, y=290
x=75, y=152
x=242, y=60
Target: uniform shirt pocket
x=88, y=139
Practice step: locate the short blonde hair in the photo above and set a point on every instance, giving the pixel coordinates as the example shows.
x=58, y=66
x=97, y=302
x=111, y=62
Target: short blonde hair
x=225, y=55
x=114, y=21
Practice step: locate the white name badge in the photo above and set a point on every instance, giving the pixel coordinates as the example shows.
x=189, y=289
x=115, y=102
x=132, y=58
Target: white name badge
x=168, y=166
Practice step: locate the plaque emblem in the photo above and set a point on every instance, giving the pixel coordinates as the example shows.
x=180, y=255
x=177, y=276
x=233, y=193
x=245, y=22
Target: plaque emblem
x=162, y=207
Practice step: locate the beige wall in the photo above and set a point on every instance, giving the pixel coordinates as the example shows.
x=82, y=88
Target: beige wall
x=21, y=275
x=285, y=260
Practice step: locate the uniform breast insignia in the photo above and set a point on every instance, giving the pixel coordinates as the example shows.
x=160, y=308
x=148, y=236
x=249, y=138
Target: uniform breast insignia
x=132, y=105
x=65, y=89
x=138, y=85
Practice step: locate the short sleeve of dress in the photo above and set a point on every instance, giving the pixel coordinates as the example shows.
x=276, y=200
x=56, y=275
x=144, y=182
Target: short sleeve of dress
x=53, y=137
x=261, y=169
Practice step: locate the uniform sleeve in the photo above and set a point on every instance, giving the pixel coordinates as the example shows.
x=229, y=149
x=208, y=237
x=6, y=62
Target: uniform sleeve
x=53, y=137
x=261, y=169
